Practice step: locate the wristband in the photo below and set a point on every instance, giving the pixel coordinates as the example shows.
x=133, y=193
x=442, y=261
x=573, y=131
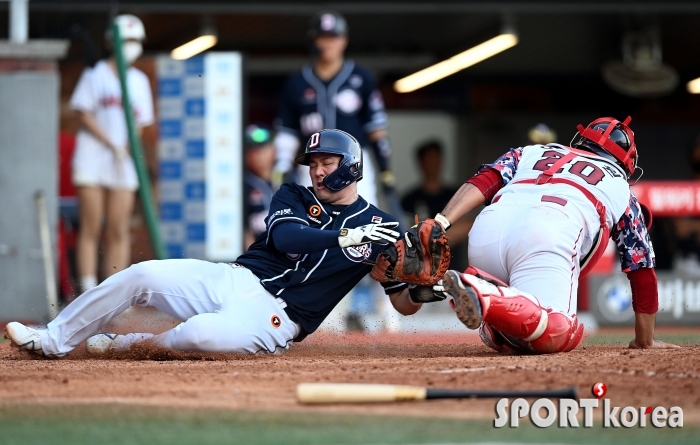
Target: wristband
x=443, y=221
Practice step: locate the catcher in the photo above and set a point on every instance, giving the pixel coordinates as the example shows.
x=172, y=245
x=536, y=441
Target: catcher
x=550, y=212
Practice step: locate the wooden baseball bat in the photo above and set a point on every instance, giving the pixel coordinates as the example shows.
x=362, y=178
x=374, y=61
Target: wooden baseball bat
x=367, y=393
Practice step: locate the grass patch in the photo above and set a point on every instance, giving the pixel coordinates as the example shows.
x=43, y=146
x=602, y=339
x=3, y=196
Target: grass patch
x=120, y=424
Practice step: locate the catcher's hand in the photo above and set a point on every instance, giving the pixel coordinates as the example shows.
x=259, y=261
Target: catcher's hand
x=427, y=294
x=370, y=233
x=421, y=257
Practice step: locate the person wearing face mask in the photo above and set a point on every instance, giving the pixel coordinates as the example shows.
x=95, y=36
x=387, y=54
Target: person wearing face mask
x=102, y=168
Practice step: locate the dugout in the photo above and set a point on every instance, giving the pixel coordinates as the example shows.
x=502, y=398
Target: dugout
x=553, y=75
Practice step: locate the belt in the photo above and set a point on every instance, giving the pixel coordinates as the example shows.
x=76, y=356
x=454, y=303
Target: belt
x=545, y=198
x=301, y=334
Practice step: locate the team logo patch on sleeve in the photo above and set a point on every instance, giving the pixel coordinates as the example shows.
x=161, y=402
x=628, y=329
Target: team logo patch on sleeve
x=358, y=254
x=315, y=210
x=376, y=219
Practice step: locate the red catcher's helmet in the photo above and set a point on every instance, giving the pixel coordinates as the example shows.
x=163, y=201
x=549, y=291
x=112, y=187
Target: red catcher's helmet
x=613, y=136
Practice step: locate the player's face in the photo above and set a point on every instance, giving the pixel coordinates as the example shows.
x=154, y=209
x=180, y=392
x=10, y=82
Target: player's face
x=261, y=160
x=331, y=48
x=431, y=164
x=320, y=166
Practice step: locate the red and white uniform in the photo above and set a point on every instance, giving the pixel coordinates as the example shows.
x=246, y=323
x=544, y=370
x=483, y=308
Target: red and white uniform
x=546, y=219
x=99, y=93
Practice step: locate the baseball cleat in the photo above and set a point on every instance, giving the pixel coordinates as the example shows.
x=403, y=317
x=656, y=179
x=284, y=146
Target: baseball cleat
x=465, y=300
x=100, y=344
x=24, y=338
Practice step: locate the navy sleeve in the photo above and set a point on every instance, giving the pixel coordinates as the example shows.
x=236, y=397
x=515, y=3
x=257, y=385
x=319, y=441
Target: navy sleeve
x=373, y=112
x=288, y=116
x=287, y=206
x=292, y=237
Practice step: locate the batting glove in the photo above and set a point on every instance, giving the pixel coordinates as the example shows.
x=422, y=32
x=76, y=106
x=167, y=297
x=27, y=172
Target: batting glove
x=371, y=233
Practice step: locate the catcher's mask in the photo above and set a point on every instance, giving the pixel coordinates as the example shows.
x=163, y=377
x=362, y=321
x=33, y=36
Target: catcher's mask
x=613, y=138
x=340, y=143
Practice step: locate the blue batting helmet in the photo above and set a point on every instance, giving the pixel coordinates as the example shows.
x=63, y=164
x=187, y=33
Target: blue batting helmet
x=339, y=143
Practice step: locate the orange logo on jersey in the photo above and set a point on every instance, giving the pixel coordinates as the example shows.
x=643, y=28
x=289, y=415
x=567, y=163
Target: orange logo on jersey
x=275, y=321
x=315, y=210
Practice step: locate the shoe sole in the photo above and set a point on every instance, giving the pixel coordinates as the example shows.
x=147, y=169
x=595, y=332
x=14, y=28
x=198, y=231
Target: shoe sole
x=466, y=302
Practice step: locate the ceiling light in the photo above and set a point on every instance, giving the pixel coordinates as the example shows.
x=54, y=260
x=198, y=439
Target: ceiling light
x=463, y=60
x=194, y=47
x=694, y=86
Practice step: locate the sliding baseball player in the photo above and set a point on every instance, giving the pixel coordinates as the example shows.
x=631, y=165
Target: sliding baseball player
x=318, y=244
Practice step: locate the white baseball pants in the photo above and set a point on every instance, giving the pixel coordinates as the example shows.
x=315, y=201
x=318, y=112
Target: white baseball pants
x=224, y=308
x=532, y=245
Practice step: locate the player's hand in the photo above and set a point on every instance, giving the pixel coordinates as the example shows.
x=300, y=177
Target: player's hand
x=427, y=294
x=388, y=180
x=370, y=233
x=655, y=344
x=119, y=152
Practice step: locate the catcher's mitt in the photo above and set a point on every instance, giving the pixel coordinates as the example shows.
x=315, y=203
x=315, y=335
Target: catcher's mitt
x=421, y=257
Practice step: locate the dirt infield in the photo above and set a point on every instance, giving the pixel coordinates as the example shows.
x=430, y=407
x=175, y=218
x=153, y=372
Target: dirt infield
x=267, y=383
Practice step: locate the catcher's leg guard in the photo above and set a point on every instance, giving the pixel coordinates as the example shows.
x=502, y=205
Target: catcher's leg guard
x=513, y=313
x=563, y=334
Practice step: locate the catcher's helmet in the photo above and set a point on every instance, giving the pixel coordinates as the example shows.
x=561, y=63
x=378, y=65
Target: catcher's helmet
x=340, y=143
x=328, y=23
x=608, y=136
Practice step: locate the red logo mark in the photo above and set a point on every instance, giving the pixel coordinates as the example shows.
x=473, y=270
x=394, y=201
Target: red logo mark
x=599, y=390
x=275, y=321
x=315, y=210
x=648, y=410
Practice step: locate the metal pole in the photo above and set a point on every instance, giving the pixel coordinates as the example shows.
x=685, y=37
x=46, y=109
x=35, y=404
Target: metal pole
x=147, y=201
x=19, y=21
x=47, y=253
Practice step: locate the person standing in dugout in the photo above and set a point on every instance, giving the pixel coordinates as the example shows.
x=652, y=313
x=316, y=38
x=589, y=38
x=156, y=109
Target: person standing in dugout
x=550, y=212
x=333, y=93
x=319, y=242
x=103, y=170
x=259, y=160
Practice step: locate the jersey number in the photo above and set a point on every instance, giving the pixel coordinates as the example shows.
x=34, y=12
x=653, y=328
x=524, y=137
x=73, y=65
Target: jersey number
x=585, y=170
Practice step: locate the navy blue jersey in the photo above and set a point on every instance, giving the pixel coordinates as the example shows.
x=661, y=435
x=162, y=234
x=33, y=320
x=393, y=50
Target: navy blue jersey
x=258, y=196
x=349, y=102
x=312, y=284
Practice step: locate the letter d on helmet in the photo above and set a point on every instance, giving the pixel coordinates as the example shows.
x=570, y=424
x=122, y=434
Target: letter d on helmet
x=339, y=143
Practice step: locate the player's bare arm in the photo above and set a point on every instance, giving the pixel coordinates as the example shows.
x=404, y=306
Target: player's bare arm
x=467, y=198
x=88, y=121
x=644, y=333
x=403, y=303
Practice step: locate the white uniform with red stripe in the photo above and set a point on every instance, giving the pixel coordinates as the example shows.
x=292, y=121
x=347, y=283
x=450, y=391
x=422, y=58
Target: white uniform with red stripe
x=539, y=230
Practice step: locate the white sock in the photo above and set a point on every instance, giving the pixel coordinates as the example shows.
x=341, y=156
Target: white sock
x=88, y=282
x=124, y=342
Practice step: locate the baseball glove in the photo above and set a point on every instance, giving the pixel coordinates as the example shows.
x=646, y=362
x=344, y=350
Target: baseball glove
x=421, y=257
